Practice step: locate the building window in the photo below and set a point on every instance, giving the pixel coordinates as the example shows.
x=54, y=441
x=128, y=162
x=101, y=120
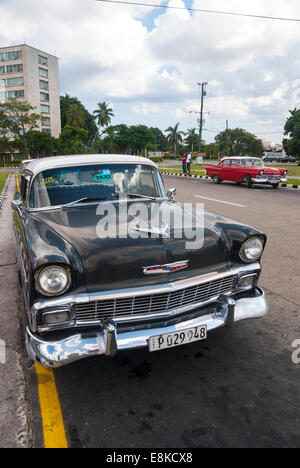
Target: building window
x=43, y=61
x=45, y=120
x=44, y=96
x=2, y=96
x=2, y=70
x=15, y=94
x=15, y=81
x=18, y=68
x=45, y=109
x=46, y=130
x=2, y=83
x=43, y=84
x=43, y=72
x=14, y=55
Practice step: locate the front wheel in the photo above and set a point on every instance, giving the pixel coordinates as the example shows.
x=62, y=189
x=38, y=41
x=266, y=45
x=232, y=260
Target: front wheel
x=248, y=181
x=275, y=186
x=216, y=179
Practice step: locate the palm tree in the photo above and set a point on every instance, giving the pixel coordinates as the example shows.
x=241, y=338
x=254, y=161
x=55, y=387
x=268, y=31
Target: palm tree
x=75, y=116
x=174, y=136
x=103, y=114
x=191, y=137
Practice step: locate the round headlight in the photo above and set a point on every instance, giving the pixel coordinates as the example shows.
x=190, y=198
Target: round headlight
x=53, y=280
x=252, y=249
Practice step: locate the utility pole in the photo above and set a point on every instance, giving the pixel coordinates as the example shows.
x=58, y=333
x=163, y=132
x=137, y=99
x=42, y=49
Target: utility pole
x=227, y=137
x=203, y=93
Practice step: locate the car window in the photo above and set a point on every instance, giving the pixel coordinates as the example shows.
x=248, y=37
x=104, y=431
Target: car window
x=235, y=162
x=227, y=162
x=252, y=163
x=110, y=182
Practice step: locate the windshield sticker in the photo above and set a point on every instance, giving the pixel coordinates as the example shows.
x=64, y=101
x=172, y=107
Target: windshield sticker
x=48, y=180
x=102, y=175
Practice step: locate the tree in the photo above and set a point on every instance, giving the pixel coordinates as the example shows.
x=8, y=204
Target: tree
x=115, y=139
x=75, y=116
x=139, y=137
x=18, y=118
x=103, y=114
x=160, y=140
x=239, y=142
x=211, y=151
x=174, y=136
x=85, y=120
x=292, y=130
x=72, y=140
x=40, y=144
x=191, y=139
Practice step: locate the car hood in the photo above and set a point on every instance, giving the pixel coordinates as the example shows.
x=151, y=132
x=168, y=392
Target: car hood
x=273, y=170
x=116, y=263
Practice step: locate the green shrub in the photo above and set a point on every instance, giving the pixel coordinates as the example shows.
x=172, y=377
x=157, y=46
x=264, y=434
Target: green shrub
x=157, y=159
x=12, y=164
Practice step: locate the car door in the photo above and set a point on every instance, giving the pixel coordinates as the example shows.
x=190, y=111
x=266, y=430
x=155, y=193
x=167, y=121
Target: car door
x=236, y=173
x=225, y=172
x=19, y=224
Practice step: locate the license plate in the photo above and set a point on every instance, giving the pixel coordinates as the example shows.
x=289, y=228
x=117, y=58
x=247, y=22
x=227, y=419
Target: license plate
x=178, y=338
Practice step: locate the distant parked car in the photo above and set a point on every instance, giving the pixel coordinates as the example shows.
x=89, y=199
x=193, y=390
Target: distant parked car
x=279, y=157
x=244, y=169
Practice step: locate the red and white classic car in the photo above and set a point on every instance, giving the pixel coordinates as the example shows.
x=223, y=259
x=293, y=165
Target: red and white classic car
x=244, y=169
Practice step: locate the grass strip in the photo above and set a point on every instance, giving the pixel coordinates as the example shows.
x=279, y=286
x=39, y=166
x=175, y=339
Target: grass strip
x=3, y=177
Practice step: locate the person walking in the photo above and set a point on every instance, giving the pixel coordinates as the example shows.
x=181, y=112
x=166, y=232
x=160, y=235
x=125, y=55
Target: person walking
x=183, y=160
x=189, y=162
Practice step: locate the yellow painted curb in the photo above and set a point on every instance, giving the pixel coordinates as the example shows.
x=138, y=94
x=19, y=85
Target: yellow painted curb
x=52, y=420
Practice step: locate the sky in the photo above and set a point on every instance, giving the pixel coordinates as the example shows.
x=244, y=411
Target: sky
x=147, y=62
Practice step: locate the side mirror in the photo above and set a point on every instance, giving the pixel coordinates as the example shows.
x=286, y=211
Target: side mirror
x=171, y=194
x=16, y=204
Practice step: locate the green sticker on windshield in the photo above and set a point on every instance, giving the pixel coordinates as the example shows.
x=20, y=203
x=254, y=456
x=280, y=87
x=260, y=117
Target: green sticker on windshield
x=101, y=175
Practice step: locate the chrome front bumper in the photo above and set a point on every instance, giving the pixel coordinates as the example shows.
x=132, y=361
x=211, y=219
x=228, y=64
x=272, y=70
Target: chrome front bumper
x=107, y=341
x=263, y=180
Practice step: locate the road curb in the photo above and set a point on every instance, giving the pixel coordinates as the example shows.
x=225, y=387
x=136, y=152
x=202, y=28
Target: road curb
x=207, y=178
x=3, y=193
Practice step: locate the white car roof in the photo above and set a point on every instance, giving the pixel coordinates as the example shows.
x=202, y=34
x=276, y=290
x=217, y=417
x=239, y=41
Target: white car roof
x=239, y=157
x=44, y=164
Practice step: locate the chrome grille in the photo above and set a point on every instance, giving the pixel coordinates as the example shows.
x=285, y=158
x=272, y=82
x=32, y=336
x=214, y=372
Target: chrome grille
x=130, y=308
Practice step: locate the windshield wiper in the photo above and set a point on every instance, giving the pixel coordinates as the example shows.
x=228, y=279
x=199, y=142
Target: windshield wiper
x=88, y=199
x=137, y=195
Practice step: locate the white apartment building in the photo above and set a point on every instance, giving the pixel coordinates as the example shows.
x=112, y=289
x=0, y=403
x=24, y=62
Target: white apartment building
x=30, y=74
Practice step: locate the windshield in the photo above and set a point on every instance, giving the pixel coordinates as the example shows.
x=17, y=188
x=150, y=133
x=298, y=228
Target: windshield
x=95, y=182
x=252, y=162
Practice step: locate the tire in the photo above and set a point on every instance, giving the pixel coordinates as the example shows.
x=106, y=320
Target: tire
x=239, y=183
x=275, y=186
x=216, y=179
x=248, y=181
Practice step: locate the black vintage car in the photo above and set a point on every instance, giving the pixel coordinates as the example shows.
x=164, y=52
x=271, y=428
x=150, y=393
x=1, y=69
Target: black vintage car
x=98, y=277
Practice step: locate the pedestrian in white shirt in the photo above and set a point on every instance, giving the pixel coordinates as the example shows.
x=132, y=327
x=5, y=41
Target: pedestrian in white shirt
x=188, y=163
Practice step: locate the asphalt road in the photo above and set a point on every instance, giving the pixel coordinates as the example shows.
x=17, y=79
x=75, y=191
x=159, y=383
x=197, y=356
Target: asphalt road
x=239, y=388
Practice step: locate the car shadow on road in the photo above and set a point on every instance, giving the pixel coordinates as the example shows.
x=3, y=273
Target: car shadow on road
x=232, y=390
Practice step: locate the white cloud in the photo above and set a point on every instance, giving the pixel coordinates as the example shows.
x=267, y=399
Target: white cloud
x=107, y=53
